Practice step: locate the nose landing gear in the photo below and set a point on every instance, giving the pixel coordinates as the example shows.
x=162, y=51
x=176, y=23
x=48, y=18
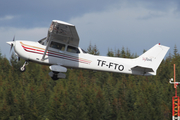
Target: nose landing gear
x=23, y=68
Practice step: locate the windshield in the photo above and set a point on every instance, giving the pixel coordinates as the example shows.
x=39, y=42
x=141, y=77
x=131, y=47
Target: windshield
x=42, y=41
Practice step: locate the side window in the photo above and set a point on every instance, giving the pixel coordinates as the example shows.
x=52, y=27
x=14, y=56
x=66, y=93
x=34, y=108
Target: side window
x=58, y=46
x=73, y=49
x=83, y=51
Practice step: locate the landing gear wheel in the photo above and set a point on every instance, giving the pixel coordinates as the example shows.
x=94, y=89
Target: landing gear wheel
x=22, y=69
x=55, y=76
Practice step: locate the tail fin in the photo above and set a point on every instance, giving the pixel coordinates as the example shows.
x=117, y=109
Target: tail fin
x=148, y=62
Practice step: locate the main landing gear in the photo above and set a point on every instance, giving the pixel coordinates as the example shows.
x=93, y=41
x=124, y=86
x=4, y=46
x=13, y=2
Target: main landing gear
x=55, y=76
x=23, y=68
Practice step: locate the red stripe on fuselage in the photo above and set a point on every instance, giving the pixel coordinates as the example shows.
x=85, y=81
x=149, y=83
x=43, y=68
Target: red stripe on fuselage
x=37, y=51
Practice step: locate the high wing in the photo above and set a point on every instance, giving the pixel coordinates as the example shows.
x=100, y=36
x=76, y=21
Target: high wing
x=63, y=32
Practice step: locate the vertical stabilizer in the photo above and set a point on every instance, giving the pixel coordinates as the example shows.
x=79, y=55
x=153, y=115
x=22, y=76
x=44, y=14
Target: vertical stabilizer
x=151, y=59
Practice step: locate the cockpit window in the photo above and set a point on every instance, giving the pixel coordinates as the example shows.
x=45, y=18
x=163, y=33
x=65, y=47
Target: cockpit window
x=73, y=49
x=58, y=46
x=42, y=41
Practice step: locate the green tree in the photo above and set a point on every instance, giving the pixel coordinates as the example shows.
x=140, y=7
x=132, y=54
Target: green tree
x=93, y=50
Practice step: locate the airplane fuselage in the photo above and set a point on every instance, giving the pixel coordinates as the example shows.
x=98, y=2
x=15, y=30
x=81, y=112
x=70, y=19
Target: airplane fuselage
x=33, y=51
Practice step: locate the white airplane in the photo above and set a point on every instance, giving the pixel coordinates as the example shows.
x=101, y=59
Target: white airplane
x=60, y=51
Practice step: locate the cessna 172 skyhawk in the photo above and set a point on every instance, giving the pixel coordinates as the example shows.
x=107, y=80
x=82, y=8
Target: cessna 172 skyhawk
x=60, y=51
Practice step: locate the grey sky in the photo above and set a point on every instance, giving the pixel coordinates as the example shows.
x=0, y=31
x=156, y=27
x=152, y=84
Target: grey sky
x=133, y=24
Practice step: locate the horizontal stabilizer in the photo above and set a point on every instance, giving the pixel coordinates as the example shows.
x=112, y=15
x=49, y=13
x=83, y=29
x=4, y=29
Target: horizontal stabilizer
x=142, y=69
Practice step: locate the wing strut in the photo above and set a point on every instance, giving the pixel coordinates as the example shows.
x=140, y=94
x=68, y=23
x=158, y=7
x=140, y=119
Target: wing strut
x=48, y=44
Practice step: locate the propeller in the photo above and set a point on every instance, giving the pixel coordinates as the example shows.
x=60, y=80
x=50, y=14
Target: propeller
x=12, y=43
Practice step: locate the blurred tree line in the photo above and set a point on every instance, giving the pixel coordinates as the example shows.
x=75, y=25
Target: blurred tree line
x=86, y=94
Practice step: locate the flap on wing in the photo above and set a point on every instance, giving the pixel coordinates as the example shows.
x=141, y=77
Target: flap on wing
x=64, y=32
x=143, y=69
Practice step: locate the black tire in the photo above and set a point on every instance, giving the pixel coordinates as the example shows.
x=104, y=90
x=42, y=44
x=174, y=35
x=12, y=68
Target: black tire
x=55, y=77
